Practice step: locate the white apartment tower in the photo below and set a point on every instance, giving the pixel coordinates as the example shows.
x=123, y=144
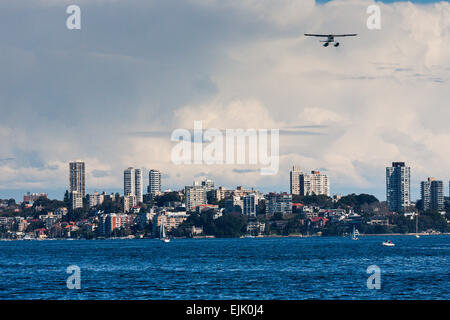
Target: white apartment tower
x=208, y=184
x=132, y=183
x=295, y=180
x=154, y=182
x=249, y=205
x=314, y=183
x=306, y=184
x=76, y=200
x=194, y=196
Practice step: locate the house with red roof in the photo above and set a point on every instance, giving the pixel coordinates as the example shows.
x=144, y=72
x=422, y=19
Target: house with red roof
x=317, y=222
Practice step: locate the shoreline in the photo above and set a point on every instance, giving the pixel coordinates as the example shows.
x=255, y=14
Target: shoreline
x=243, y=237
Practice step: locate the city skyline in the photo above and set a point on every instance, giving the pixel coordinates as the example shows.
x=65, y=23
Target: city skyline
x=347, y=112
x=133, y=178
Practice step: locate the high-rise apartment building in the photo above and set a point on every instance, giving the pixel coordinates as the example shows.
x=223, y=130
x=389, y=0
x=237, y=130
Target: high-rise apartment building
x=208, y=184
x=432, y=194
x=194, y=196
x=77, y=178
x=306, y=184
x=315, y=183
x=154, y=183
x=398, y=186
x=132, y=183
x=295, y=180
x=249, y=205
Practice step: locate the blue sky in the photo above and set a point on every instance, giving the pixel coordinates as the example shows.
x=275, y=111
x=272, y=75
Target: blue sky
x=112, y=93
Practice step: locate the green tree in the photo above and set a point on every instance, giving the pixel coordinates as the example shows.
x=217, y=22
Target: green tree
x=167, y=197
x=314, y=200
x=357, y=201
x=230, y=225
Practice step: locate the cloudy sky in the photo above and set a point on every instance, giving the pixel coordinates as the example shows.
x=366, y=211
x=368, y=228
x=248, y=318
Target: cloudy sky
x=112, y=92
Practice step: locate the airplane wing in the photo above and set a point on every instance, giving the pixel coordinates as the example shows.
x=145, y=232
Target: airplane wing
x=345, y=35
x=330, y=35
x=317, y=35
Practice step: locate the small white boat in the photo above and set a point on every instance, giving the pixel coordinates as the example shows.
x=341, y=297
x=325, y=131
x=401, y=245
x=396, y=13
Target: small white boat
x=162, y=233
x=355, y=233
x=388, y=243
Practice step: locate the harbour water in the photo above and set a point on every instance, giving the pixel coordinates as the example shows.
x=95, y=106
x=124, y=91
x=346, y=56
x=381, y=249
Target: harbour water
x=249, y=268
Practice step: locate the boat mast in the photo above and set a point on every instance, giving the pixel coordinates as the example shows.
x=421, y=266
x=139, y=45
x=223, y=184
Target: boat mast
x=162, y=233
x=417, y=222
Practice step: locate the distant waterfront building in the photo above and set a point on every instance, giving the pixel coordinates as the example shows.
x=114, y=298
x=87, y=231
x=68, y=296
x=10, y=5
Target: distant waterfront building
x=194, y=196
x=129, y=202
x=172, y=220
x=138, y=187
x=249, y=205
x=96, y=199
x=132, y=183
x=278, y=203
x=234, y=204
x=76, y=200
x=77, y=178
x=208, y=184
x=256, y=227
x=432, y=194
x=223, y=193
x=315, y=183
x=398, y=186
x=31, y=197
x=154, y=183
x=109, y=222
x=306, y=184
x=295, y=180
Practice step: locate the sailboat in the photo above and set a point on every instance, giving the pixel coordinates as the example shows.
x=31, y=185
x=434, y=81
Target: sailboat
x=417, y=226
x=355, y=233
x=162, y=233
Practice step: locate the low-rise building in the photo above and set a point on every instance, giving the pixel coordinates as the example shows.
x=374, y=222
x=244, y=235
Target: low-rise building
x=379, y=220
x=172, y=220
x=256, y=227
x=278, y=203
x=317, y=222
x=195, y=231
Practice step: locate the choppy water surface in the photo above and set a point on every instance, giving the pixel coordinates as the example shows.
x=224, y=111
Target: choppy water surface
x=255, y=268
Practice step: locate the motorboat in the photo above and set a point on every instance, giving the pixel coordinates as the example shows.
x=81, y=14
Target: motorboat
x=388, y=243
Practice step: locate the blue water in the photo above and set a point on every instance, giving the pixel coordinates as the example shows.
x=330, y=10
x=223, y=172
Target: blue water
x=265, y=268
